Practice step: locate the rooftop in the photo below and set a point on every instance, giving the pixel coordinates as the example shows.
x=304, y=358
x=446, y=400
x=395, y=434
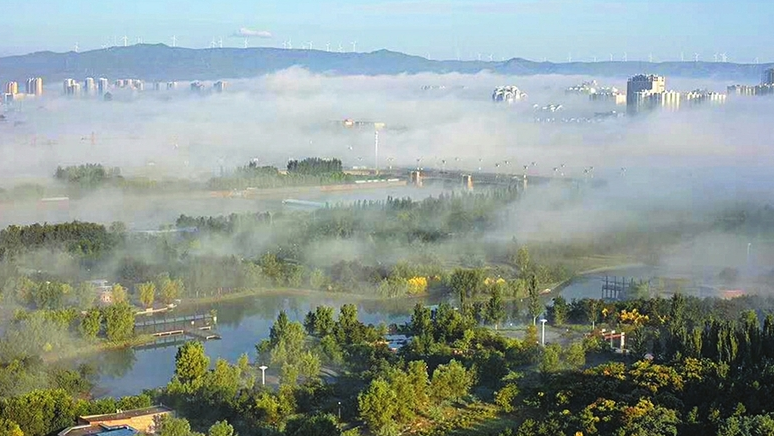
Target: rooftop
x=99, y=430
x=128, y=414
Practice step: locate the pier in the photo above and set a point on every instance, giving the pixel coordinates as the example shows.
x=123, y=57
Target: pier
x=173, y=330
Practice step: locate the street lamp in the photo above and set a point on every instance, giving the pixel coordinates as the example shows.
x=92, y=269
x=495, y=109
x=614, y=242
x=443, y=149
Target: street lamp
x=339, y=410
x=543, y=327
x=263, y=369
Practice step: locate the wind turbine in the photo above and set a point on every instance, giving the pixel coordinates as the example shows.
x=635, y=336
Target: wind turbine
x=755, y=61
x=611, y=57
x=491, y=57
x=327, y=46
x=76, y=46
x=569, y=57
x=354, y=46
x=650, y=58
x=126, y=40
x=479, y=57
x=723, y=57
x=290, y=43
x=220, y=42
x=341, y=48
x=139, y=40
x=625, y=57
x=715, y=57
x=245, y=45
x=212, y=43
x=311, y=46
x=174, y=41
x=682, y=57
x=696, y=57
x=284, y=44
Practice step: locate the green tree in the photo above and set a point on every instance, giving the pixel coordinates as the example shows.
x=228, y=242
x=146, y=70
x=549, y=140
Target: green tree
x=317, y=279
x=316, y=425
x=118, y=293
x=377, y=405
x=505, y=397
x=10, y=428
x=420, y=383
x=119, y=322
x=84, y=295
x=170, y=289
x=221, y=428
x=191, y=362
x=557, y=312
x=91, y=323
x=495, y=308
x=522, y=261
x=575, y=355
x=147, y=293
x=466, y=283
x=171, y=426
x=320, y=323
x=549, y=359
x=450, y=382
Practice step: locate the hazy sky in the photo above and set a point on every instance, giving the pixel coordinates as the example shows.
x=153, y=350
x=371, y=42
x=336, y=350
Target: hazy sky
x=535, y=29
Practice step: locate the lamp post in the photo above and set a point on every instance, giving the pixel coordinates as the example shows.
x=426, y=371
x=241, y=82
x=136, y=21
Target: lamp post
x=339, y=410
x=543, y=335
x=263, y=369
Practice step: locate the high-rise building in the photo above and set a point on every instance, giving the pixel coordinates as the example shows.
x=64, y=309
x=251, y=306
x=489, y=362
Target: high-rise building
x=88, y=86
x=768, y=77
x=12, y=88
x=638, y=89
x=34, y=86
x=137, y=85
x=102, y=86
x=197, y=86
x=701, y=96
x=120, y=83
x=219, y=86
x=68, y=86
x=76, y=88
x=171, y=86
x=669, y=100
x=156, y=86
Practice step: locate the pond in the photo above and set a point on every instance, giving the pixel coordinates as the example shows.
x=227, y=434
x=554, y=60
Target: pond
x=241, y=324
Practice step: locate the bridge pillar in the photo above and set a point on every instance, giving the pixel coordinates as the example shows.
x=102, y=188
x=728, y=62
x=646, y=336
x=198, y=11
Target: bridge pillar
x=416, y=178
x=524, y=183
x=467, y=182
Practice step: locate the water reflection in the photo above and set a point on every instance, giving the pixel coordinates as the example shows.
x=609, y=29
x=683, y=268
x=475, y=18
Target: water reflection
x=241, y=324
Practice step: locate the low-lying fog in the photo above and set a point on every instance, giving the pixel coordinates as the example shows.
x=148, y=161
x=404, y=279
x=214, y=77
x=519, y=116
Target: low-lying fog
x=686, y=164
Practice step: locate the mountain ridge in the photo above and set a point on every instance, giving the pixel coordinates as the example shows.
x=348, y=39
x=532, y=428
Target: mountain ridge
x=159, y=62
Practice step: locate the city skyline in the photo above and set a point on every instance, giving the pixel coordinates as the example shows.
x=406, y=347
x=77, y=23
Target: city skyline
x=558, y=31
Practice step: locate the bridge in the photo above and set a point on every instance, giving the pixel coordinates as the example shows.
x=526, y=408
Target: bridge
x=197, y=326
x=467, y=179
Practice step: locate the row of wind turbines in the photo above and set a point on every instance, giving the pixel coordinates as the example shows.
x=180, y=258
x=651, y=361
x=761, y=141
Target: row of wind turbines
x=288, y=44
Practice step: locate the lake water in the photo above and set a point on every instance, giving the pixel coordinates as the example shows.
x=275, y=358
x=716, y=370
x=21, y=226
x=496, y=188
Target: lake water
x=241, y=324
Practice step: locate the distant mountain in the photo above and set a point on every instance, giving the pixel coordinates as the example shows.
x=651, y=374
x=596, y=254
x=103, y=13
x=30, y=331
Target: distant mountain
x=159, y=62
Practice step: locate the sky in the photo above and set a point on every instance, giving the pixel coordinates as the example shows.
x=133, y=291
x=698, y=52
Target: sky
x=555, y=30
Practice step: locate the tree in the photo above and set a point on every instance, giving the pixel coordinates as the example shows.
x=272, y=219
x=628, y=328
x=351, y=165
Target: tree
x=119, y=322
x=84, y=295
x=147, y=293
x=171, y=426
x=221, y=428
x=171, y=289
x=320, y=323
x=118, y=293
x=522, y=261
x=495, y=308
x=317, y=425
x=505, y=397
x=317, y=279
x=549, y=359
x=191, y=362
x=450, y=382
x=466, y=283
x=533, y=306
x=377, y=405
x=420, y=383
x=91, y=323
x=557, y=312
x=575, y=355
x=10, y=428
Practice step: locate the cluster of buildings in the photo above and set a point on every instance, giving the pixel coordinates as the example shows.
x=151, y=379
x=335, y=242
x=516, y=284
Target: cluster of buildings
x=766, y=86
x=33, y=87
x=508, y=94
x=218, y=87
x=121, y=423
x=597, y=93
x=648, y=92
